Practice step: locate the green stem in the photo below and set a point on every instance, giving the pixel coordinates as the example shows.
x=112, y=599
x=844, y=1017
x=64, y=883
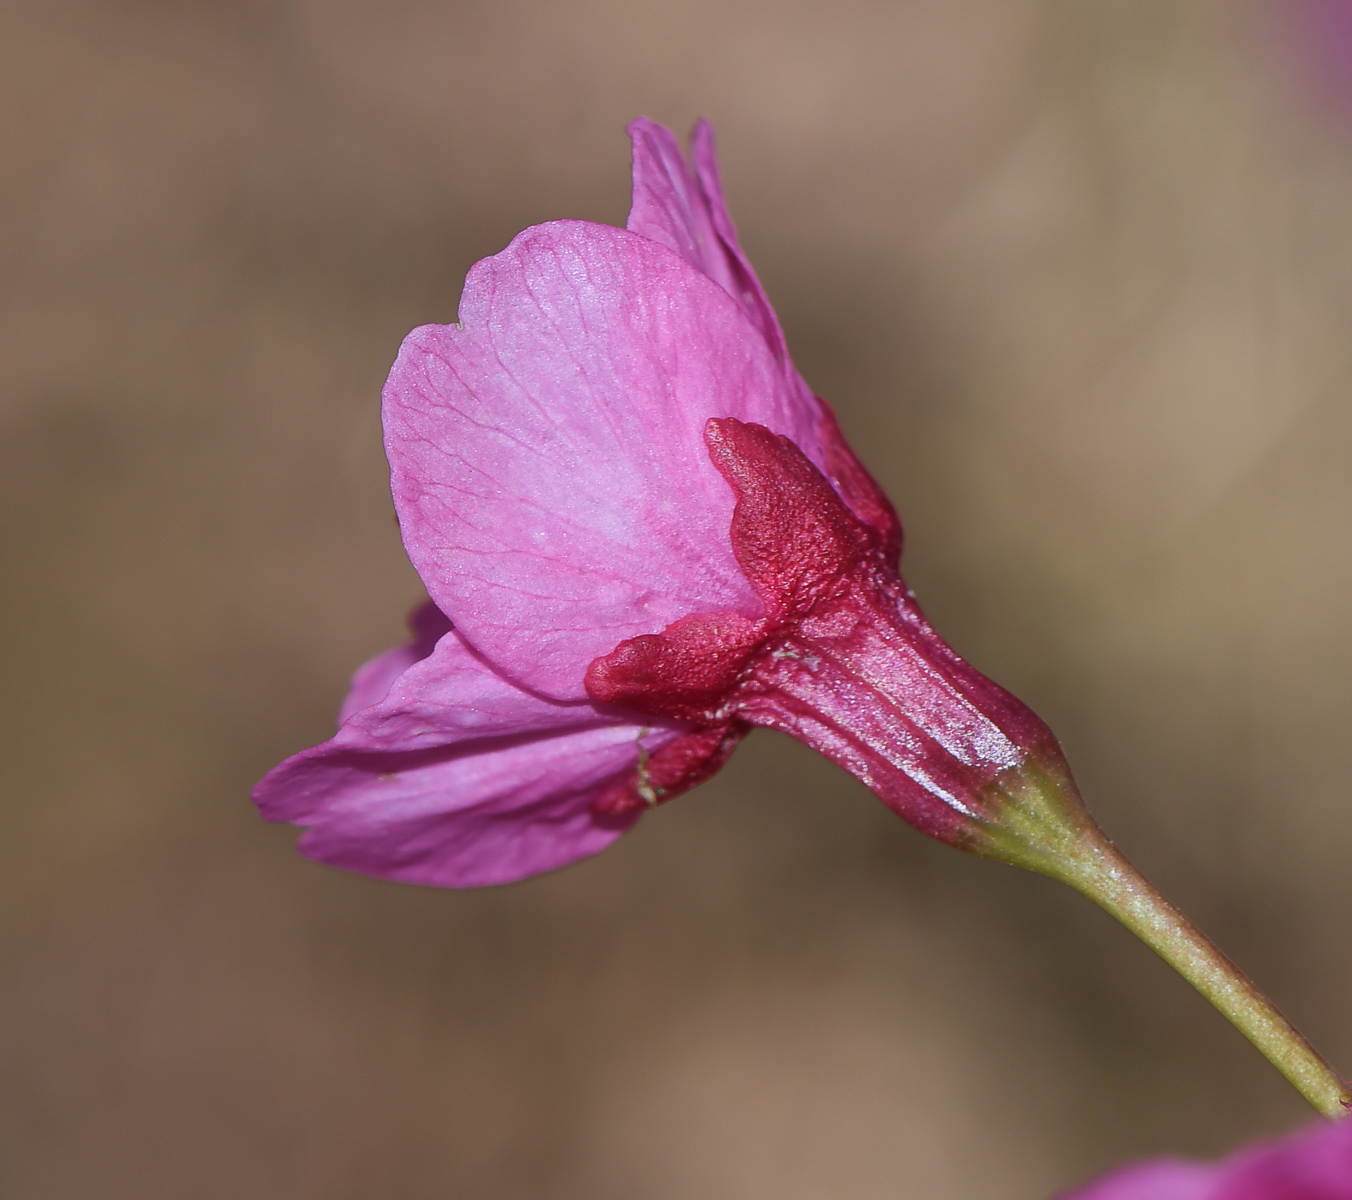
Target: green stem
x=1043, y=826
x=1108, y=879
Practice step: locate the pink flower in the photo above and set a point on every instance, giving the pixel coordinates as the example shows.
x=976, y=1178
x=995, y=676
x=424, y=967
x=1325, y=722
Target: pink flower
x=646, y=536
x=1315, y=1164
x=1323, y=37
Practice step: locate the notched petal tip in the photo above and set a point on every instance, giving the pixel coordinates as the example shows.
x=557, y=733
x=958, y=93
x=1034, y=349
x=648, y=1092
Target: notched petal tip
x=682, y=205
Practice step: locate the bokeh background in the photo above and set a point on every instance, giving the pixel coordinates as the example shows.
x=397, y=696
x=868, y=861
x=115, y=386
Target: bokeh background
x=1078, y=277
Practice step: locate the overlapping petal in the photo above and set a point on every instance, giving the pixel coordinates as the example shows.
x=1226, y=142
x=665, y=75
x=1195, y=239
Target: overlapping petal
x=547, y=453
x=457, y=777
x=373, y=680
x=670, y=207
x=686, y=210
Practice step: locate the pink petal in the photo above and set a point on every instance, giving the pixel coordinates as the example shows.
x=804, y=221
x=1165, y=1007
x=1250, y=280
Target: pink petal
x=458, y=778
x=1314, y=1164
x=1168, y=1179
x=752, y=295
x=686, y=211
x=372, y=680
x=547, y=454
x=669, y=207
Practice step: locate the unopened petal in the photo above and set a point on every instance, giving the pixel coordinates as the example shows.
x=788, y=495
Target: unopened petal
x=547, y=454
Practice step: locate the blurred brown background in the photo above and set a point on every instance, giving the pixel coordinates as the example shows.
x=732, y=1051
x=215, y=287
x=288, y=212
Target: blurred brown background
x=1078, y=277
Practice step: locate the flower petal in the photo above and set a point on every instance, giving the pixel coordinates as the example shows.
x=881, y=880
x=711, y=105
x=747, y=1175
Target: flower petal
x=1169, y=1179
x=373, y=680
x=669, y=206
x=686, y=211
x=547, y=454
x=1314, y=1164
x=459, y=778
x=752, y=296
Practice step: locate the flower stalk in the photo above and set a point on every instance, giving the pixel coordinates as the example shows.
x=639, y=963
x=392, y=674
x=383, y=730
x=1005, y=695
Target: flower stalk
x=1043, y=827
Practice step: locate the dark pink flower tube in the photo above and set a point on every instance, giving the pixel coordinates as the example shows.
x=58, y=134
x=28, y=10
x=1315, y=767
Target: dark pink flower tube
x=1315, y=1164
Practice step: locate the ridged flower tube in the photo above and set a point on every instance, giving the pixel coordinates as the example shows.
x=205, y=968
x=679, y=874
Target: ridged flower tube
x=642, y=535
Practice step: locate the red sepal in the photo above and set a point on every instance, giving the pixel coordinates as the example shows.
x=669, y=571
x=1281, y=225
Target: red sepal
x=675, y=768
x=793, y=537
x=842, y=658
x=859, y=489
x=705, y=653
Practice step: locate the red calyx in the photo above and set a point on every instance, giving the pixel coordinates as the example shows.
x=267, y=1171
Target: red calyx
x=842, y=658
